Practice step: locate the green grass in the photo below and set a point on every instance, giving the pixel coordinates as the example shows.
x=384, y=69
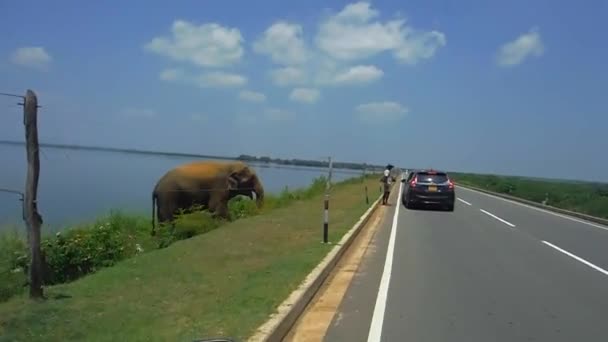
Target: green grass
x=583, y=197
x=87, y=247
x=224, y=282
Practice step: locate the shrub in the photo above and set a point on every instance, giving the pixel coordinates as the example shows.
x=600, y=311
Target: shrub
x=13, y=263
x=78, y=251
x=241, y=207
x=185, y=226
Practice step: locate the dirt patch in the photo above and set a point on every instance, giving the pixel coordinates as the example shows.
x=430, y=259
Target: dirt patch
x=314, y=322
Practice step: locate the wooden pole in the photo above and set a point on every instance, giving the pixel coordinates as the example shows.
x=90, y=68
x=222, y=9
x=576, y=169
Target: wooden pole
x=32, y=217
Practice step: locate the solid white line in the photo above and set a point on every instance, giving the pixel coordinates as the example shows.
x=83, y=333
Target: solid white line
x=375, y=331
x=463, y=201
x=597, y=268
x=543, y=210
x=498, y=218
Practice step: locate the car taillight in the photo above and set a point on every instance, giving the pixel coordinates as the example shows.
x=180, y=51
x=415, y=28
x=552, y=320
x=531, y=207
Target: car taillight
x=414, y=181
x=450, y=184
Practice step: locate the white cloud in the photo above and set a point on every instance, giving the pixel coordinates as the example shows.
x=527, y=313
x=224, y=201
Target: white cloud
x=379, y=112
x=358, y=74
x=142, y=113
x=421, y=45
x=252, y=96
x=276, y=114
x=213, y=79
x=515, y=52
x=284, y=44
x=220, y=79
x=34, y=57
x=352, y=35
x=207, y=45
x=304, y=95
x=288, y=76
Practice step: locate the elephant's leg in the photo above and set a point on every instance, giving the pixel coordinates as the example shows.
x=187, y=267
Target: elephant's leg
x=166, y=214
x=218, y=204
x=167, y=208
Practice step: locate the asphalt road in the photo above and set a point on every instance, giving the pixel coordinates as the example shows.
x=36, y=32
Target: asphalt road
x=492, y=270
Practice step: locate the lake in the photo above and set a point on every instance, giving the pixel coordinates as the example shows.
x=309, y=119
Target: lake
x=79, y=185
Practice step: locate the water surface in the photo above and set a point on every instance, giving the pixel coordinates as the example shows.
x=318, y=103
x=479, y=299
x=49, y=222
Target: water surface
x=78, y=185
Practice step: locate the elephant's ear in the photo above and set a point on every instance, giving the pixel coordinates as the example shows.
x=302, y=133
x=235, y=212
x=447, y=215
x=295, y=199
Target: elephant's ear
x=233, y=181
x=241, y=175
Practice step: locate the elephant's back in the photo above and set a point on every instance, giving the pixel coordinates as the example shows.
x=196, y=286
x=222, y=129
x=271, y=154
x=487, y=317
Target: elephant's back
x=206, y=167
x=200, y=168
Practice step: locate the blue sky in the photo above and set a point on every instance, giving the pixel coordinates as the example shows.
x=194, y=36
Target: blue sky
x=514, y=87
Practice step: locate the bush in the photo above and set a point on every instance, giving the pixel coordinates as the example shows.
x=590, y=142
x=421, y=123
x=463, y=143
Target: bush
x=241, y=207
x=13, y=263
x=185, y=226
x=78, y=251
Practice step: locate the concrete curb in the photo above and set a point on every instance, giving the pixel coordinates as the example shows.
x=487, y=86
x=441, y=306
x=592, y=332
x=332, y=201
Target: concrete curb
x=279, y=323
x=539, y=205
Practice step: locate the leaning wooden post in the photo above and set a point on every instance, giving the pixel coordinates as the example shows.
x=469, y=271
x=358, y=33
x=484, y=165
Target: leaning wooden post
x=32, y=217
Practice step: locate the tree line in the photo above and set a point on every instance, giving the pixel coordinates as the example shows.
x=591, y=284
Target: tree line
x=309, y=163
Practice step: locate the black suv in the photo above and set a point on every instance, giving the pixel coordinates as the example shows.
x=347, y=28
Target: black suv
x=428, y=187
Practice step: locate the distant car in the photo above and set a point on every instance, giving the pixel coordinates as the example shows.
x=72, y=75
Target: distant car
x=428, y=187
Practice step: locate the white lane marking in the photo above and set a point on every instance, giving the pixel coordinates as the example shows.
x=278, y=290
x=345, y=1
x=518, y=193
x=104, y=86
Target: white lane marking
x=597, y=268
x=543, y=210
x=463, y=201
x=498, y=218
x=375, y=331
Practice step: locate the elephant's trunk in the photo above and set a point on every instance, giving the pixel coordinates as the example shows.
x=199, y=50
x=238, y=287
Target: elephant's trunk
x=258, y=189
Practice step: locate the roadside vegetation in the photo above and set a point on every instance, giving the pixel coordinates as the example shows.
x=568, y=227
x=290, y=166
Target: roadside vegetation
x=583, y=197
x=110, y=280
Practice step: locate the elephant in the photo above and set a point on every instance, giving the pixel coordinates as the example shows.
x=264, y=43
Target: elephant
x=210, y=184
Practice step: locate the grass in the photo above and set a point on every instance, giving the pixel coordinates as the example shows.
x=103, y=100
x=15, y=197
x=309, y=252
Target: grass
x=87, y=247
x=222, y=283
x=583, y=197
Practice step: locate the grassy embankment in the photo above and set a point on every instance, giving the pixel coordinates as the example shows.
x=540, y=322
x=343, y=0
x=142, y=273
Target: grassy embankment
x=224, y=282
x=583, y=197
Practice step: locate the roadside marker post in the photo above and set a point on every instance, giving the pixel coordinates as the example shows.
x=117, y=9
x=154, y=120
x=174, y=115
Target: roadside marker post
x=326, y=205
x=326, y=219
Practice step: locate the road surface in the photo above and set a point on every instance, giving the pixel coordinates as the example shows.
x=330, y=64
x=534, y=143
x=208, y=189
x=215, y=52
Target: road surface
x=492, y=270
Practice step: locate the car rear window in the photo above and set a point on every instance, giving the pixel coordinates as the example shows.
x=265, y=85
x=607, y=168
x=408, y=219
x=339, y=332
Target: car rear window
x=424, y=177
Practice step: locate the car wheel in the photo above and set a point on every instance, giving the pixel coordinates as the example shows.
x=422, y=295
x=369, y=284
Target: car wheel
x=450, y=207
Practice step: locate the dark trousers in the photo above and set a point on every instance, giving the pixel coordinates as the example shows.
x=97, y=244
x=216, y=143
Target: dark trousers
x=385, y=197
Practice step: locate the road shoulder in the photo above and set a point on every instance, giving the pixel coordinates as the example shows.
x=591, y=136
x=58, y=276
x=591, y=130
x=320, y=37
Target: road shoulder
x=352, y=318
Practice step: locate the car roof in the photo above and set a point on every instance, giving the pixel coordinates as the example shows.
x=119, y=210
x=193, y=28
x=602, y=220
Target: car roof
x=430, y=170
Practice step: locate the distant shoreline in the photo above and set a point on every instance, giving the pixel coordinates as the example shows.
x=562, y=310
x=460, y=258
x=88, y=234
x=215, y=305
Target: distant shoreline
x=243, y=157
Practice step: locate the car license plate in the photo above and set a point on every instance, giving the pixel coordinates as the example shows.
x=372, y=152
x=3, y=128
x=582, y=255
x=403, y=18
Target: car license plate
x=432, y=188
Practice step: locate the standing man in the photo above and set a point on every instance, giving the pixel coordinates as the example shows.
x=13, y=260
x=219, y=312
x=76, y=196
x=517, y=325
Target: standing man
x=386, y=182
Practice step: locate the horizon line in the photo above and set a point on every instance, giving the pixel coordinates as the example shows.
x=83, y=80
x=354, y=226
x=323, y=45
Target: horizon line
x=177, y=154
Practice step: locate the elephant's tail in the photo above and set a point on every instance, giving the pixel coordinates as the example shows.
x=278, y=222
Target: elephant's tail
x=154, y=199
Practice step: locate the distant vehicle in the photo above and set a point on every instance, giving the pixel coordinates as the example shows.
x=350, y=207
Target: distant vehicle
x=428, y=187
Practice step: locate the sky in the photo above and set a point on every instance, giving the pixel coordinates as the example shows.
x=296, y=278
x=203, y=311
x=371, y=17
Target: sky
x=509, y=87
